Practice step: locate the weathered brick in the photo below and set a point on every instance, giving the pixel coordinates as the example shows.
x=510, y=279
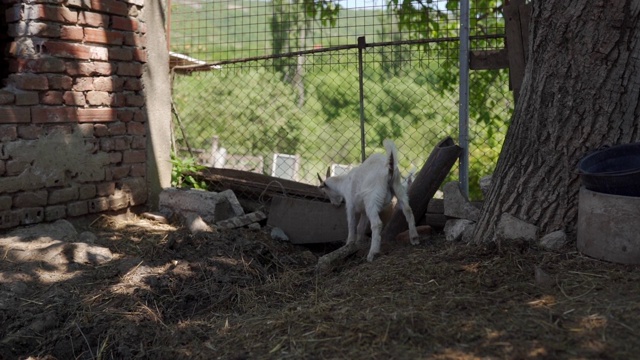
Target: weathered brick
x=27, y=98
x=119, y=172
x=41, y=65
x=125, y=115
x=133, y=39
x=133, y=84
x=6, y=202
x=117, y=128
x=129, y=69
x=138, y=170
x=30, y=199
x=107, y=144
x=92, y=145
x=13, y=13
x=119, y=100
x=97, y=205
x=103, y=83
x=64, y=195
x=74, y=98
x=77, y=3
x=10, y=218
x=105, y=189
x=134, y=156
x=124, y=23
x=72, y=33
x=121, y=54
x=110, y=7
x=140, y=55
x=55, y=212
x=6, y=97
x=102, y=36
x=100, y=130
x=75, y=51
x=28, y=81
x=104, y=68
x=8, y=132
x=60, y=82
x=49, y=13
x=32, y=215
x=83, y=84
x=121, y=143
x=140, y=116
x=78, y=208
x=98, y=98
x=138, y=142
x=51, y=98
x=53, y=115
x=66, y=129
x=115, y=157
x=29, y=132
x=135, y=100
x=86, y=191
x=136, y=128
x=85, y=129
x=34, y=28
x=15, y=114
x=93, y=19
x=119, y=200
x=16, y=167
x=3, y=168
x=96, y=115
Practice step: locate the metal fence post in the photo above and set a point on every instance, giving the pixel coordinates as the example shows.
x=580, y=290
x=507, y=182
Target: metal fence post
x=362, y=43
x=464, y=98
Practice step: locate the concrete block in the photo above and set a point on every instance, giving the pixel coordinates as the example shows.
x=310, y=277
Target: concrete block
x=98, y=204
x=456, y=205
x=5, y=202
x=455, y=228
x=510, y=228
x=64, y=195
x=78, y=208
x=55, y=212
x=306, y=221
x=211, y=206
x=10, y=218
x=32, y=216
x=30, y=199
x=86, y=191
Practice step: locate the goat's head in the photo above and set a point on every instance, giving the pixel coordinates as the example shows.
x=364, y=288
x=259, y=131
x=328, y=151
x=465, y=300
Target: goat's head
x=326, y=187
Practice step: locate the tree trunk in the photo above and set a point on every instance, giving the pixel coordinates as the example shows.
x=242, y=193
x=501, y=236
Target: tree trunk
x=580, y=92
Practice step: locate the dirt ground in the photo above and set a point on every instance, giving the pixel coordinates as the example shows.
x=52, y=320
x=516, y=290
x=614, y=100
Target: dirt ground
x=238, y=294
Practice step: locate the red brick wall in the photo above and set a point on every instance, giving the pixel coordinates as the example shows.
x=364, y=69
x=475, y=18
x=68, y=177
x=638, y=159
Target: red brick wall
x=74, y=89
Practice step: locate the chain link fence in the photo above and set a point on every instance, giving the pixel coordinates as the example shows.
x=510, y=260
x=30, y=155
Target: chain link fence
x=269, y=87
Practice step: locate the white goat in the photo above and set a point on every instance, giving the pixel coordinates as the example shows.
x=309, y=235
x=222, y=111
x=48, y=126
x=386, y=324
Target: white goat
x=366, y=189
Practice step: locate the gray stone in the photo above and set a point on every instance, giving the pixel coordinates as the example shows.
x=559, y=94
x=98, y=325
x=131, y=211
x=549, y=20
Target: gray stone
x=456, y=205
x=195, y=224
x=455, y=228
x=554, y=241
x=87, y=237
x=510, y=228
x=485, y=185
x=278, y=234
x=210, y=206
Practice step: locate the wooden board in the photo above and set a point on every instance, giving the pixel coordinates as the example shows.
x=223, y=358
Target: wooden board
x=308, y=222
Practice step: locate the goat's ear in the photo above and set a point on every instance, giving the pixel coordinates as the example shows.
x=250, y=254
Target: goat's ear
x=321, y=181
x=329, y=172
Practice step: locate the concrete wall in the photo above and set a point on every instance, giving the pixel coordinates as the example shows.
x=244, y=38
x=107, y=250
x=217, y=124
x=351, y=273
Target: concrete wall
x=73, y=122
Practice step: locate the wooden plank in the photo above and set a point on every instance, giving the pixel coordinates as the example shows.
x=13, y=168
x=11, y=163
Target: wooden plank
x=257, y=185
x=488, y=59
x=515, y=48
x=308, y=222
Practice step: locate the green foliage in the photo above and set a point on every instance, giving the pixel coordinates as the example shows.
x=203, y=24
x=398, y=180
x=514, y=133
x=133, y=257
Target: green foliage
x=179, y=173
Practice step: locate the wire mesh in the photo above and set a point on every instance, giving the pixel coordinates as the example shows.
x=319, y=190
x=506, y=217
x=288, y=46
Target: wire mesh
x=285, y=99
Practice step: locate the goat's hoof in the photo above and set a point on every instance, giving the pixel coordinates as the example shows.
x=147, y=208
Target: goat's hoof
x=415, y=241
x=370, y=257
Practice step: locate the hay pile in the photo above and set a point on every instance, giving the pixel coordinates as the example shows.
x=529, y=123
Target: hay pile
x=238, y=294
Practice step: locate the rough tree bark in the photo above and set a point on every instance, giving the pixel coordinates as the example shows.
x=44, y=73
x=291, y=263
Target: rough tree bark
x=581, y=91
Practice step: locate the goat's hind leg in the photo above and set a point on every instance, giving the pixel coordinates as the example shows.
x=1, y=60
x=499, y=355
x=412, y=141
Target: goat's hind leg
x=403, y=202
x=376, y=229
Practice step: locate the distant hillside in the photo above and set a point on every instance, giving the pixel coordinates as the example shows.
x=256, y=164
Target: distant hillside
x=220, y=30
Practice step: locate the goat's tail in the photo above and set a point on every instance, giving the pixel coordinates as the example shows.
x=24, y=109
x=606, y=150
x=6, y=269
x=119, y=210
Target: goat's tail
x=392, y=153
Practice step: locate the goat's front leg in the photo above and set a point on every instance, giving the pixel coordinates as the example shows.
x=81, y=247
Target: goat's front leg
x=376, y=229
x=351, y=224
